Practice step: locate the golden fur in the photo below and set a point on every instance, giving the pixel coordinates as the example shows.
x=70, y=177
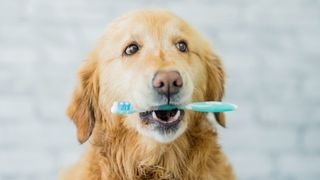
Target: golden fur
x=116, y=149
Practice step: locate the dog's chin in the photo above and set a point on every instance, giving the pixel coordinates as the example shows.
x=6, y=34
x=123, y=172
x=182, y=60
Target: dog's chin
x=162, y=126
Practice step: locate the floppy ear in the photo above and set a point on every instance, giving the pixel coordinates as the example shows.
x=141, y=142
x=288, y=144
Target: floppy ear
x=215, y=82
x=84, y=103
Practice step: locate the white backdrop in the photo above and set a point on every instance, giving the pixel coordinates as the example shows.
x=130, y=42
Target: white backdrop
x=270, y=49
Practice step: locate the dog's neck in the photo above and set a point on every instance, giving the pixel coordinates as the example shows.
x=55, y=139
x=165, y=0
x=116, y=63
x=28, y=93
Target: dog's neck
x=128, y=154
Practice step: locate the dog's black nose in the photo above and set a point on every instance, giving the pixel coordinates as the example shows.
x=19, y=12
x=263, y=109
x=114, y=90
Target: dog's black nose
x=167, y=82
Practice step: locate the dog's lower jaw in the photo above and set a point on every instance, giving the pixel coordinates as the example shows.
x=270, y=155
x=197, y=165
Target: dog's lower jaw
x=163, y=126
x=162, y=136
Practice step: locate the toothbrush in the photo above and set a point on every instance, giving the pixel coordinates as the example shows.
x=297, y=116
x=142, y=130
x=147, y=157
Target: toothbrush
x=123, y=107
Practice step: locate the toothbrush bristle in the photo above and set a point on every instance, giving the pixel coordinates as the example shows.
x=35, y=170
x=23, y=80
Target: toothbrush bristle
x=121, y=107
x=124, y=106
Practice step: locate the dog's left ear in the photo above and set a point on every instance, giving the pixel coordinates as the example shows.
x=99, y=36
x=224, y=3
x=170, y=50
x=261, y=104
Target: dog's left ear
x=84, y=103
x=215, y=81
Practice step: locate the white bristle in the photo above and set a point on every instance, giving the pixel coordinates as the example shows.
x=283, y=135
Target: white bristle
x=121, y=107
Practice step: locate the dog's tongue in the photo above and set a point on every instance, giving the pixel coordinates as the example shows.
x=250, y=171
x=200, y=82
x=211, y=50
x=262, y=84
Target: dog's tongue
x=165, y=115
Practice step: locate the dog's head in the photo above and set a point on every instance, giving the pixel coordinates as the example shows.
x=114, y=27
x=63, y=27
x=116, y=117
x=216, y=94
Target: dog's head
x=148, y=58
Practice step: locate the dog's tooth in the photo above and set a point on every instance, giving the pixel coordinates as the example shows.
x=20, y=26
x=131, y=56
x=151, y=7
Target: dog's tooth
x=177, y=115
x=154, y=115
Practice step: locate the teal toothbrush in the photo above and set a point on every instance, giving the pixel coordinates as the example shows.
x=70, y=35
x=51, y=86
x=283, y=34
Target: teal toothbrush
x=123, y=107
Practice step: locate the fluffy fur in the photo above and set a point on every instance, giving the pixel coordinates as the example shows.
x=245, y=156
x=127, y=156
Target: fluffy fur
x=121, y=146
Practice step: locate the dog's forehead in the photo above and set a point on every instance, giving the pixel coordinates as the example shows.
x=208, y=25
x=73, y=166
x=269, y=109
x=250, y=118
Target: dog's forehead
x=145, y=22
x=154, y=29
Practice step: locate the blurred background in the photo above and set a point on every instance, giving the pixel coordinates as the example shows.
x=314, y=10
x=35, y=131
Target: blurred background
x=270, y=50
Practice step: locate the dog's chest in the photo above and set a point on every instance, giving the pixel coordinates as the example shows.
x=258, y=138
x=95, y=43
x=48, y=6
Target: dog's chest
x=153, y=172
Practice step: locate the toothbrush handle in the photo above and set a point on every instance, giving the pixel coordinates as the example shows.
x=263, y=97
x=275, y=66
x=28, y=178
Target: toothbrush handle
x=211, y=106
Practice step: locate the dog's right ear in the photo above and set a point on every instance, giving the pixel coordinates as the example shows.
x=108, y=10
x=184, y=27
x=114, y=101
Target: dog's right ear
x=84, y=103
x=216, y=80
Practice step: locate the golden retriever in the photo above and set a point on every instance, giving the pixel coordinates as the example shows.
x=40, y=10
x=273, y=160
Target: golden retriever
x=148, y=57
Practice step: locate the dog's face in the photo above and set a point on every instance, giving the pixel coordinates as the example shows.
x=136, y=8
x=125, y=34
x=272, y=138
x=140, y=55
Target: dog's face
x=149, y=58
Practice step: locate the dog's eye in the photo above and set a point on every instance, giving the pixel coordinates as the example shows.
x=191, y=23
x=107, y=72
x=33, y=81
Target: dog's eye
x=182, y=46
x=131, y=49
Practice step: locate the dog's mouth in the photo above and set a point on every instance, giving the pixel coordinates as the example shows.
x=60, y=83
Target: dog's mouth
x=162, y=117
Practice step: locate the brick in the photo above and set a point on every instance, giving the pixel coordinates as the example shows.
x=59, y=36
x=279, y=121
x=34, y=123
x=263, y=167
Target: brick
x=28, y=162
x=52, y=108
x=251, y=165
x=310, y=140
x=21, y=55
x=299, y=166
x=308, y=43
x=68, y=157
x=56, y=81
x=17, y=36
x=41, y=135
x=17, y=108
x=17, y=78
x=71, y=12
x=311, y=89
x=62, y=57
x=279, y=115
x=12, y=12
x=259, y=139
x=58, y=37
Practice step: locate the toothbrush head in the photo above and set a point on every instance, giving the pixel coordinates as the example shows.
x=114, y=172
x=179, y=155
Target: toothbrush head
x=122, y=107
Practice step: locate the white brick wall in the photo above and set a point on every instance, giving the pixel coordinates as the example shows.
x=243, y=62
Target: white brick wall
x=270, y=49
